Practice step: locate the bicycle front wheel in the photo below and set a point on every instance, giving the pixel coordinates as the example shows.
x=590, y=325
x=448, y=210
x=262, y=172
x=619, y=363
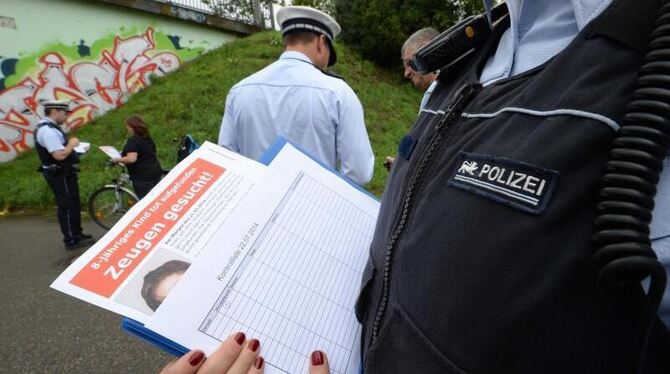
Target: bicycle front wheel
x=108, y=204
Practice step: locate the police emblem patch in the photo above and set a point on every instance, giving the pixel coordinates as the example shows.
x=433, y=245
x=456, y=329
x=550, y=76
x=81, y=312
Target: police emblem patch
x=513, y=183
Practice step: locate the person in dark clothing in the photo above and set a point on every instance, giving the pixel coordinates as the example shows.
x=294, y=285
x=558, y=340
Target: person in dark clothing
x=139, y=155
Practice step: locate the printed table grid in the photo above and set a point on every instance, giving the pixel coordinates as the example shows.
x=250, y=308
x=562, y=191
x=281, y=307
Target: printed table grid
x=296, y=288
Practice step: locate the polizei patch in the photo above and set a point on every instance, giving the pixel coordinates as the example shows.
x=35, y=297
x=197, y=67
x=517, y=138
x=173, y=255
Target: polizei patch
x=513, y=183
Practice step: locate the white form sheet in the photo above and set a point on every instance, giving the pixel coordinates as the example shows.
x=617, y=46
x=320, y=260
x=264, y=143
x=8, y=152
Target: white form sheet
x=83, y=147
x=286, y=270
x=110, y=151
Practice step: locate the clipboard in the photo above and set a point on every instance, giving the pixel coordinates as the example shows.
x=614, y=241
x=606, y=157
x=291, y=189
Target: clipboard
x=137, y=329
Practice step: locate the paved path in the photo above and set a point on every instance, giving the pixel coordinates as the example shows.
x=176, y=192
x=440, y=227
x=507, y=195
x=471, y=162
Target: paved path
x=45, y=331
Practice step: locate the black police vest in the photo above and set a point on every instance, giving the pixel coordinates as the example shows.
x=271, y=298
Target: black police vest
x=481, y=260
x=45, y=157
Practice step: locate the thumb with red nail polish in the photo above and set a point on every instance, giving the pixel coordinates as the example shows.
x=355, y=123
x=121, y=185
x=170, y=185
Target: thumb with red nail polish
x=318, y=363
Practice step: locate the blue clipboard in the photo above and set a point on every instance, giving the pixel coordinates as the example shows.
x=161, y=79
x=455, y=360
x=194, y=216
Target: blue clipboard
x=279, y=143
x=137, y=329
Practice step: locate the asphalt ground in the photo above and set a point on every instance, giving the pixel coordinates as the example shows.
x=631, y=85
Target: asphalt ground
x=45, y=331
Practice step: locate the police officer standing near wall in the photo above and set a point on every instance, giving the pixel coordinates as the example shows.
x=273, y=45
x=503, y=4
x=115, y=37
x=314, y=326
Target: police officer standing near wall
x=59, y=168
x=296, y=98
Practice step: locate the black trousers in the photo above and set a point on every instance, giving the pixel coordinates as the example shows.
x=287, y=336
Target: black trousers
x=66, y=189
x=142, y=188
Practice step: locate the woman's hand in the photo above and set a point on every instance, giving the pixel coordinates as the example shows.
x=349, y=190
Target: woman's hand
x=128, y=159
x=388, y=162
x=235, y=356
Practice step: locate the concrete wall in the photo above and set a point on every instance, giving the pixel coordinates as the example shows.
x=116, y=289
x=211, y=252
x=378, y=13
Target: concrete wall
x=94, y=54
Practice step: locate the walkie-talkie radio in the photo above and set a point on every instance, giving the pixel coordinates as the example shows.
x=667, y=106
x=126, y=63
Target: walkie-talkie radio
x=457, y=42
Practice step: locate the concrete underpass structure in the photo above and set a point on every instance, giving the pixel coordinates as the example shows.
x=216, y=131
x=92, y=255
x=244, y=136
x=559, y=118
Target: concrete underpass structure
x=97, y=53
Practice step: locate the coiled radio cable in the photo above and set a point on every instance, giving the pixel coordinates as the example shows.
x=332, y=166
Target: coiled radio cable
x=623, y=250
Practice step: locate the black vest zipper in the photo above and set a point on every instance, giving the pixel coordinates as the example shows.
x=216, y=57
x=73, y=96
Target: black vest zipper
x=453, y=112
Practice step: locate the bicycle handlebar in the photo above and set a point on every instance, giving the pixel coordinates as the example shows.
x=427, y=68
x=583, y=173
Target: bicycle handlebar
x=111, y=164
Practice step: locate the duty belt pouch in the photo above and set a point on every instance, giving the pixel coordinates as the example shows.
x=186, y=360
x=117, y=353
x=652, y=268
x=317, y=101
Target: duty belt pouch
x=52, y=171
x=69, y=170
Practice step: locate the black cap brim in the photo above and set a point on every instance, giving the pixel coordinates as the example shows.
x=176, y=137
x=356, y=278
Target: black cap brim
x=54, y=107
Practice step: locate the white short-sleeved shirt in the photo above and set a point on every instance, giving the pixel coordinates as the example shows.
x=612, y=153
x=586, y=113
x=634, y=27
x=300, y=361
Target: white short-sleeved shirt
x=294, y=99
x=50, y=138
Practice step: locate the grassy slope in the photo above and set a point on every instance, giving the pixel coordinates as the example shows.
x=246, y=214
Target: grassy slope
x=191, y=100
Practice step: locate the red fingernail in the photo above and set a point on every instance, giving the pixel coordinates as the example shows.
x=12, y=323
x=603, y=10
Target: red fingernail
x=258, y=364
x=253, y=345
x=240, y=338
x=196, y=359
x=317, y=358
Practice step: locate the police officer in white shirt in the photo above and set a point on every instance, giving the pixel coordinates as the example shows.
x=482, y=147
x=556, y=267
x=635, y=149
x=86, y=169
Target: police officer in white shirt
x=58, y=166
x=295, y=98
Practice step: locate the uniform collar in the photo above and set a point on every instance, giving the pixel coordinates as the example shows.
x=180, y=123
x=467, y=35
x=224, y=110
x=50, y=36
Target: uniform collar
x=538, y=31
x=48, y=121
x=293, y=55
x=585, y=10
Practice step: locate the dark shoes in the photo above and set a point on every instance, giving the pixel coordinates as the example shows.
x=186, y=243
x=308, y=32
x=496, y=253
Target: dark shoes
x=85, y=236
x=83, y=240
x=75, y=245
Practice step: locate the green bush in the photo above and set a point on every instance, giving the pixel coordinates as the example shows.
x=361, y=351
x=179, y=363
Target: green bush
x=327, y=6
x=378, y=28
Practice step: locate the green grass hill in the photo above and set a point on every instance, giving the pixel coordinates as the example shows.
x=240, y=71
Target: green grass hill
x=191, y=101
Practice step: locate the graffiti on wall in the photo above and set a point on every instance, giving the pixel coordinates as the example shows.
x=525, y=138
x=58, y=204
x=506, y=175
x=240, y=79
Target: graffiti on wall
x=92, y=86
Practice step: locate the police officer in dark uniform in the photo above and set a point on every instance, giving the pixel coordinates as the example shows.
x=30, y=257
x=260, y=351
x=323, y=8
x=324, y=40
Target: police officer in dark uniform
x=59, y=168
x=482, y=258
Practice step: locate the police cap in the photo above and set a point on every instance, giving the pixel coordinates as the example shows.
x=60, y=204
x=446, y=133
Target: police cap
x=303, y=18
x=57, y=104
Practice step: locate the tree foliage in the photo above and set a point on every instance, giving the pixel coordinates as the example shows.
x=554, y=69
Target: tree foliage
x=242, y=10
x=378, y=28
x=327, y=6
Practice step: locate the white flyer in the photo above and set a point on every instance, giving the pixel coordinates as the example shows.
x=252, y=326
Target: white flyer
x=161, y=235
x=286, y=270
x=110, y=151
x=83, y=147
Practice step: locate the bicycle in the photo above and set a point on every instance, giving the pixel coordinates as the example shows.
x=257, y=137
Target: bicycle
x=110, y=202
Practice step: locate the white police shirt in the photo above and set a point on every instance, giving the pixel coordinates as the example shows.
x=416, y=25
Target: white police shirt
x=294, y=99
x=426, y=95
x=540, y=30
x=50, y=138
